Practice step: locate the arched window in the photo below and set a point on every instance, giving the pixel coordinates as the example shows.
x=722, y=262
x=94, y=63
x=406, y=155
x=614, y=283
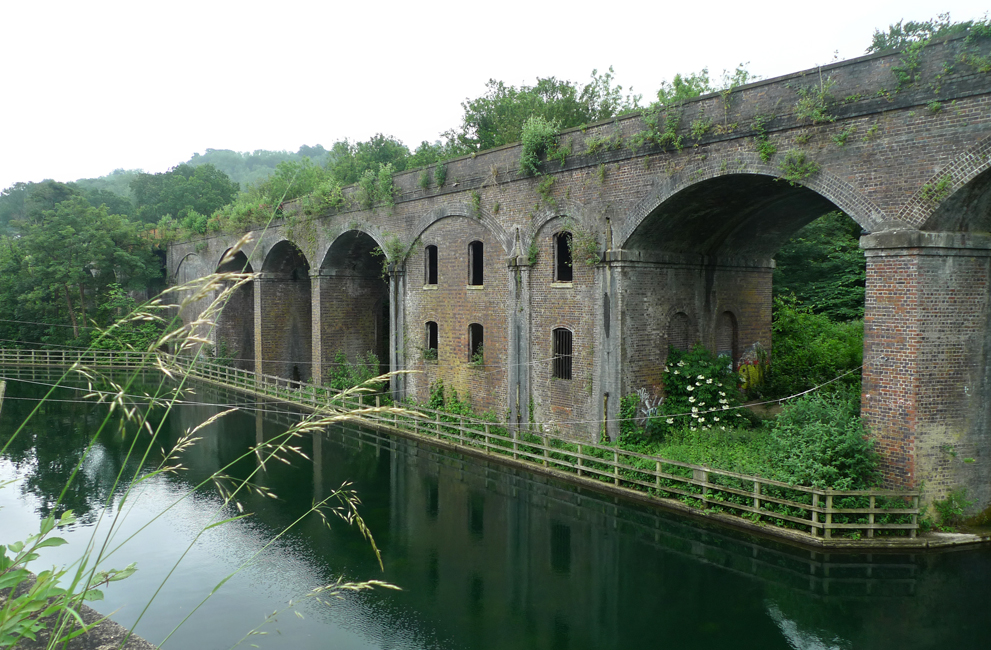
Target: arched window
x=475, y=265
x=561, y=359
x=430, y=344
x=726, y=336
x=430, y=265
x=476, y=349
x=679, y=332
x=562, y=257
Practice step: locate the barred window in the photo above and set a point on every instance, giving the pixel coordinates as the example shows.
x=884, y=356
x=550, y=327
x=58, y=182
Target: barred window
x=475, y=263
x=430, y=265
x=561, y=363
x=562, y=257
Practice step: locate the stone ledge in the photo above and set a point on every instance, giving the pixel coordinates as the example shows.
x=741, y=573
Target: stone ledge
x=877, y=243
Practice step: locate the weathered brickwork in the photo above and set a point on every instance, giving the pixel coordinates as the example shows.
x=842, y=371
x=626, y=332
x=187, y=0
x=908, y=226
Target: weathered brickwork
x=926, y=329
x=690, y=229
x=454, y=305
x=562, y=404
x=236, y=327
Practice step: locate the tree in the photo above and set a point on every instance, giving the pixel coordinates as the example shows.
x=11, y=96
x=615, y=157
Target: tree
x=181, y=190
x=349, y=162
x=497, y=117
x=902, y=34
x=824, y=268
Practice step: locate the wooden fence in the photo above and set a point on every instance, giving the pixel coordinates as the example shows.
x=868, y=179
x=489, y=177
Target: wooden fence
x=819, y=513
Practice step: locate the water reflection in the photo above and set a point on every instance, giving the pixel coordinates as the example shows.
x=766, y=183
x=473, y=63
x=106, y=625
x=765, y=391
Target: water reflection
x=492, y=557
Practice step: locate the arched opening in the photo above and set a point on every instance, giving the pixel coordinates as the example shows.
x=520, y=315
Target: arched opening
x=236, y=322
x=475, y=264
x=286, y=328
x=476, y=345
x=354, y=299
x=562, y=257
x=561, y=343
x=430, y=265
x=709, y=246
x=727, y=344
x=680, y=331
x=431, y=342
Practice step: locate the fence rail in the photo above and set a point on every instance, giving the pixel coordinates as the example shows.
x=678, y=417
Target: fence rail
x=819, y=513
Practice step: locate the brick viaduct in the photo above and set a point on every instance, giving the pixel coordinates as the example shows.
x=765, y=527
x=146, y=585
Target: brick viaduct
x=686, y=237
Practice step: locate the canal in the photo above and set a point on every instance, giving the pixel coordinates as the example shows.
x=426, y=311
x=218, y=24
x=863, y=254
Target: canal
x=486, y=556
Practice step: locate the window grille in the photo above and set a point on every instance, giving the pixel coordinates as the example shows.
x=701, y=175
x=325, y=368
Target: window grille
x=561, y=362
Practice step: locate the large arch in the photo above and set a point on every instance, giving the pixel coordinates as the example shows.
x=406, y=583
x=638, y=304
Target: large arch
x=284, y=342
x=354, y=302
x=705, y=250
x=235, y=334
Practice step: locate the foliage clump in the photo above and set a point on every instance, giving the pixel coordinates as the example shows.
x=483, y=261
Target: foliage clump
x=538, y=138
x=344, y=374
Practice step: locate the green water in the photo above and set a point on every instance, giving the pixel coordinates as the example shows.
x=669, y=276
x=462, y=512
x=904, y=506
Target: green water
x=486, y=556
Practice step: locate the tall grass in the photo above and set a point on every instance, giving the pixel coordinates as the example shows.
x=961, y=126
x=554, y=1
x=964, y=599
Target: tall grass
x=50, y=601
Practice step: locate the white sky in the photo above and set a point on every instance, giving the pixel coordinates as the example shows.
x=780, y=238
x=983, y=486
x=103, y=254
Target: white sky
x=91, y=86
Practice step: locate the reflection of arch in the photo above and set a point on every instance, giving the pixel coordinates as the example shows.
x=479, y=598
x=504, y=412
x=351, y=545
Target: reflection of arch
x=286, y=332
x=354, y=299
x=680, y=335
x=969, y=172
x=706, y=210
x=236, y=321
x=727, y=337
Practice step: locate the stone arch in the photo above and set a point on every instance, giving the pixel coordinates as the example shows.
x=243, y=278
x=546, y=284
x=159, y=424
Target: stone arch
x=235, y=332
x=681, y=329
x=354, y=301
x=967, y=206
x=464, y=210
x=832, y=192
x=286, y=325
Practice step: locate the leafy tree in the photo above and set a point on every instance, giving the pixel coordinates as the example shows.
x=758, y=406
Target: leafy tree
x=497, y=117
x=182, y=189
x=823, y=267
x=349, y=162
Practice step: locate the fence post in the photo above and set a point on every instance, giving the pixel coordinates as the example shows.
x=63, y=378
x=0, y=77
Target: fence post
x=657, y=469
x=544, y=443
x=915, y=516
x=815, y=514
x=829, y=516
x=486, y=438
x=378, y=401
x=615, y=468
x=870, y=518
x=579, y=459
x=756, y=494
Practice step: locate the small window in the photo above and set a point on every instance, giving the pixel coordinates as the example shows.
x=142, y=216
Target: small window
x=561, y=361
x=562, y=257
x=476, y=351
x=475, y=264
x=430, y=344
x=678, y=332
x=430, y=265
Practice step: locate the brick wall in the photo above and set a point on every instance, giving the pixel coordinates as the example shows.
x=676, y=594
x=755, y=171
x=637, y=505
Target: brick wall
x=454, y=305
x=354, y=317
x=286, y=327
x=236, y=327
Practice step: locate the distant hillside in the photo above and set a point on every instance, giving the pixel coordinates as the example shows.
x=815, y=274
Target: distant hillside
x=248, y=169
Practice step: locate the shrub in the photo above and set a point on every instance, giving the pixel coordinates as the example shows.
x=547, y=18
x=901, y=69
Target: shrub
x=820, y=441
x=344, y=374
x=539, y=136
x=809, y=350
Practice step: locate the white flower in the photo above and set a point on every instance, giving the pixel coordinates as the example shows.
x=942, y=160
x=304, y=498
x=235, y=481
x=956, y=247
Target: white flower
x=690, y=388
x=708, y=381
x=670, y=420
x=681, y=364
x=677, y=372
x=701, y=419
x=691, y=400
x=715, y=419
x=695, y=409
x=698, y=383
x=701, y=377
x=722, y=394
x=726, y=406
x=666, y=369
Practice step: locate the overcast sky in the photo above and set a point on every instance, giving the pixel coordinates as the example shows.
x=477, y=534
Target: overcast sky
x=93, y=86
